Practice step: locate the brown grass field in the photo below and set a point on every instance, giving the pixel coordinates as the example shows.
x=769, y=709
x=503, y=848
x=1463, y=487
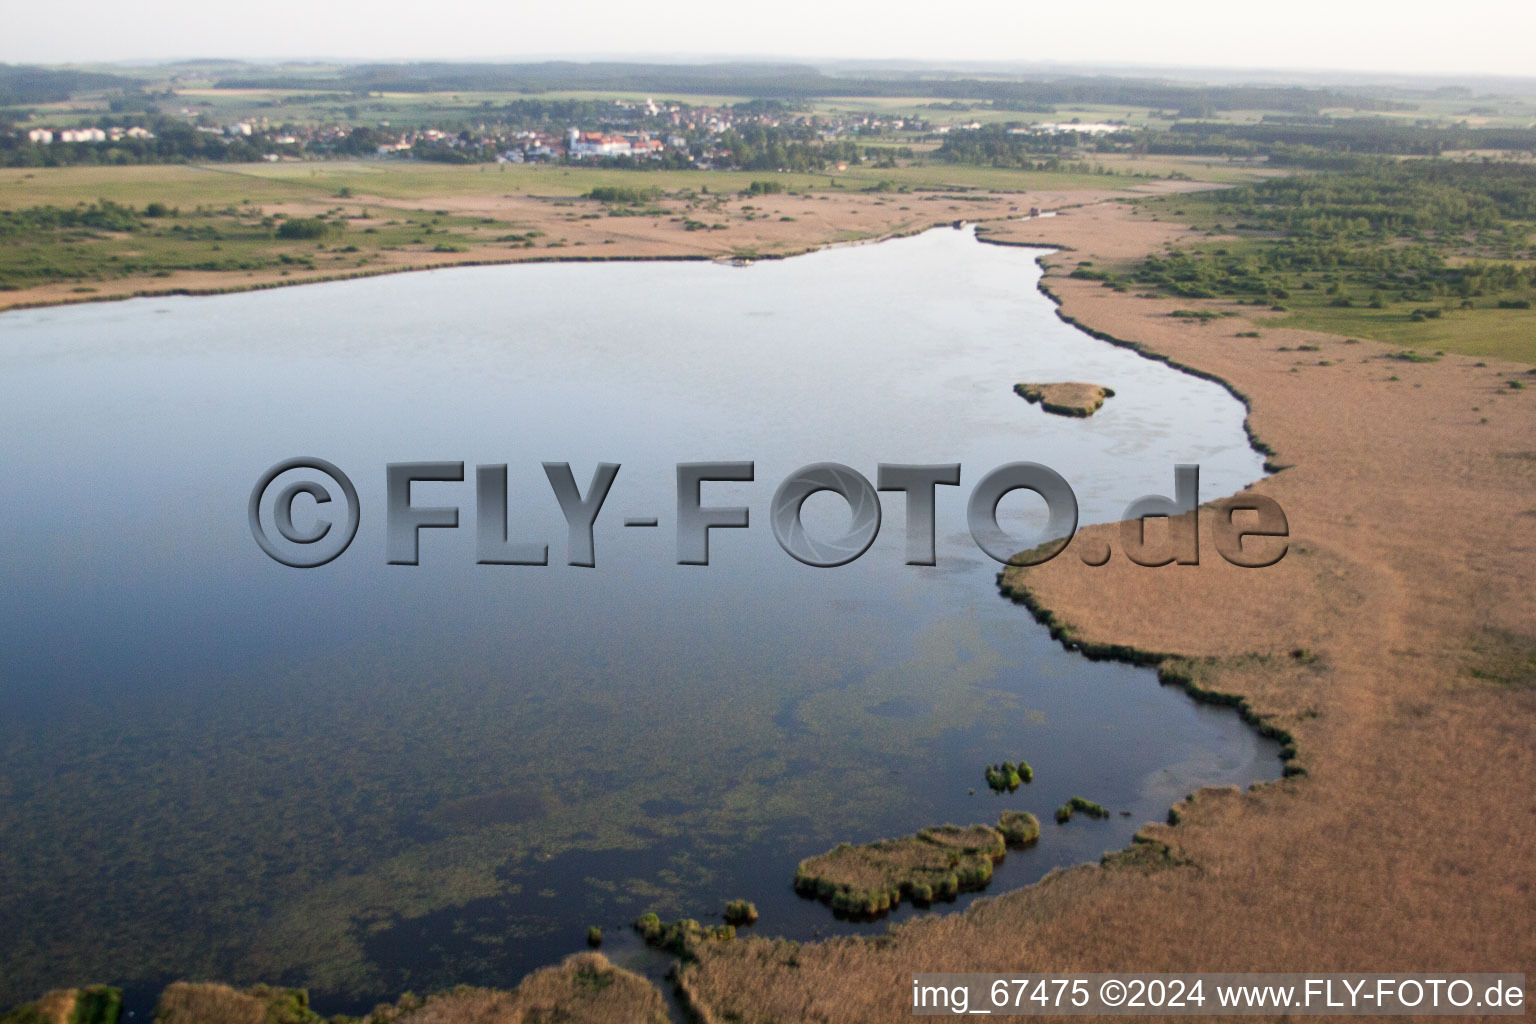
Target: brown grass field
x=585, y=989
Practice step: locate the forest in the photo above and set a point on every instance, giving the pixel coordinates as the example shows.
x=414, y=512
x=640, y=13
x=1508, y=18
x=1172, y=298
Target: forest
x=1440, y=234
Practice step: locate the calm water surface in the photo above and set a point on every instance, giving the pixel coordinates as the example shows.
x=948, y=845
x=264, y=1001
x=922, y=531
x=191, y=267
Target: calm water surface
x=365, y=778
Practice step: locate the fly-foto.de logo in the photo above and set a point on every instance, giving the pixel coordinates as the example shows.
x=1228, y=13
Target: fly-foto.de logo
x=1250, y=530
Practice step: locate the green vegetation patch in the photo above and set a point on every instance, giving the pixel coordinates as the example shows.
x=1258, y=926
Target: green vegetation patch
x=680, y=937
x=1144, y=855
x=1417, y=252
x=740, y=912
x=1007, y=777
x=307, y=228
x=1079, y=805
x=204, y=1003
x=626, y=194
x=1502, y=658
x=1019, y=828
x=98, y=1004
x=107, y=240
x=937, y=863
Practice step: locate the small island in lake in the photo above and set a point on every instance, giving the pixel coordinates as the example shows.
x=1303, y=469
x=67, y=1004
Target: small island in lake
x=1065, y=398
x=740, y=912
x=1079, y=804
x=1007, y=777
x=937, y=863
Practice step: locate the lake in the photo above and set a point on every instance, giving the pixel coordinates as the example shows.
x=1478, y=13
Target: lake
x=368, y=777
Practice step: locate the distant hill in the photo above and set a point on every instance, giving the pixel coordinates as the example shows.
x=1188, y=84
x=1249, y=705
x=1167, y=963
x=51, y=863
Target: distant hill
x=24, y=83
x=801, y=81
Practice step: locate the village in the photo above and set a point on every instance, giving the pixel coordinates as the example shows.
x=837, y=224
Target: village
x=676, y=134
x=47, y=136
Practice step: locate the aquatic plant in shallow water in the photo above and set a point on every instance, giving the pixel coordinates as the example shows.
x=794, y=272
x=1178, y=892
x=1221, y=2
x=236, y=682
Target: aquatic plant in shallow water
x=1081, y=805
x=739, y=912
x=1007, y=777
x=868, y=880
x=1019, y=828
x=680, y=936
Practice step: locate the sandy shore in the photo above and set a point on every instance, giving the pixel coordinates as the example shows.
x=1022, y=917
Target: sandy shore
x=1395, y=643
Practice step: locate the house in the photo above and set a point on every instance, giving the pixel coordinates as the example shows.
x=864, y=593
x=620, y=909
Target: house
x=41, y=136
x=595, y=144
x=1056, y=128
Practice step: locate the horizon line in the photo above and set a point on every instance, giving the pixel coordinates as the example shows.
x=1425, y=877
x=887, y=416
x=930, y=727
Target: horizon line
x=1112, y=69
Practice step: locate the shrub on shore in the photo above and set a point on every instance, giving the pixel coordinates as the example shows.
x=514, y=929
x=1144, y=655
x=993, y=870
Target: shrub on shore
x=623, y=194
x=306, y=228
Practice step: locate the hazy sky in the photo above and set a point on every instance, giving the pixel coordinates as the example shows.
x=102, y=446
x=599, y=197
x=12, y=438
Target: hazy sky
x=1478, y=36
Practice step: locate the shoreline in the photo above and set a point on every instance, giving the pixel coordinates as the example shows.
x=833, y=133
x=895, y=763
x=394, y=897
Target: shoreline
x=195, y=291
x=1254, y=441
